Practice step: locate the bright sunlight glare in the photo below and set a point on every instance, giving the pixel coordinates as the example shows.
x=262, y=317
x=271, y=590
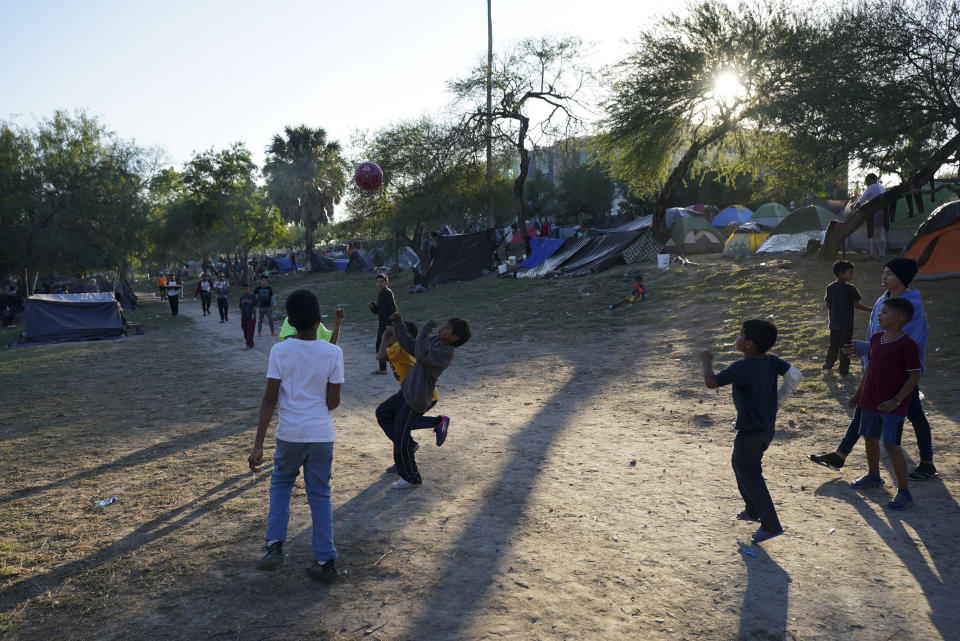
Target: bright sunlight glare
x=727, y=88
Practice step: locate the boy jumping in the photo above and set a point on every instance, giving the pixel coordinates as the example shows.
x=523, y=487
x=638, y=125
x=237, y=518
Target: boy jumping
x=883, y=395
x=398, y=414
x=756, y=398
x=402, y=362
x=304, y=377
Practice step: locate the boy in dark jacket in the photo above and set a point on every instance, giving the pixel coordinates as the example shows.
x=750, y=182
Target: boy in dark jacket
x=398, y=414
x=385, y=306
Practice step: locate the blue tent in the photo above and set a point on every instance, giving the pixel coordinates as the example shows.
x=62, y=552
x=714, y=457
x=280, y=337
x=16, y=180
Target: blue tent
x=541, y=249
x=732, y=214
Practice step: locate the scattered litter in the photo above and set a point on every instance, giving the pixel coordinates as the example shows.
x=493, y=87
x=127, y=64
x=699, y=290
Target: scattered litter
x=748, y=552
x=937, y=349
x=831, y=530
x=106, y=502
x=633, y=463
x=728, y=320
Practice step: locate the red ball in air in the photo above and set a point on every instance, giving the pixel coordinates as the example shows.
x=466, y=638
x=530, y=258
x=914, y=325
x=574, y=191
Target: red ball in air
x=368, y=176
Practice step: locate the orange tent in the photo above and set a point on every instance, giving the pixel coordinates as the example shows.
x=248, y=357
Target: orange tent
x=936, y=245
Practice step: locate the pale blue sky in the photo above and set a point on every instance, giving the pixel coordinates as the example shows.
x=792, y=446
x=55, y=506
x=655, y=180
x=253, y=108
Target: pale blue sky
x=187, y=76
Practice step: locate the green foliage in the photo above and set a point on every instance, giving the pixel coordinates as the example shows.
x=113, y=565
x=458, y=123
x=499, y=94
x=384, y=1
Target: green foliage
x=213, y=205
x=432, y=176
x=306, y=177
x=664, y=106
x=71, y=196
x=585, y=192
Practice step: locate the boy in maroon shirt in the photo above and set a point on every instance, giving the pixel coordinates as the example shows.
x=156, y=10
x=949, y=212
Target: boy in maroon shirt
x=891, y=376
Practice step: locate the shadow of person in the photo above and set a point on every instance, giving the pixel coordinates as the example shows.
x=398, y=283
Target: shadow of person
x=763, y=615
x=934, y=523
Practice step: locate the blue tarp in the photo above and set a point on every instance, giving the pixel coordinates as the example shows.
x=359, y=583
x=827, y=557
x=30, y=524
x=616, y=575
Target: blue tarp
x=284, y=263
x=541, y=249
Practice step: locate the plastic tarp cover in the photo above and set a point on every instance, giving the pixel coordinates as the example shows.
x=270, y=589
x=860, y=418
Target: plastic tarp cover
x=789, y=242
x=631, y=225
x=358, y=263
x=598, y=253
x=284, y=264
x=59, y=318
x=540, y=250
x=321, y=263
x=570, y=247
x=462, y=257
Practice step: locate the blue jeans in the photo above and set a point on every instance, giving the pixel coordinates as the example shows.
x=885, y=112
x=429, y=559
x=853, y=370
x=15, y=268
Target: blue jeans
x=316, y=460
x=921, y=427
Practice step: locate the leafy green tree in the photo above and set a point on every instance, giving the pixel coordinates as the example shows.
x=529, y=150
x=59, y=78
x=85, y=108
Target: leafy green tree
x=76, y=199
x=432, y=176
x=585, y=192
x=214, y=205
x=536, y=90
x=306, y=177
x=900, y=112
x=694, y=88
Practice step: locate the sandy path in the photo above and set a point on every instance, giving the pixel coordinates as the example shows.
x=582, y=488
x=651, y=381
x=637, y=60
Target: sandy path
x=589, y=497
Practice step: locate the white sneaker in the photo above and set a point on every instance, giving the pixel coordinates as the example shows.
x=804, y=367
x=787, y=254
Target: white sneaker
x=826, y=372
x=402, y=484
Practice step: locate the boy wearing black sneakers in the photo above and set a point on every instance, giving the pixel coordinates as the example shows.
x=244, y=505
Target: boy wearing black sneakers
x=304, y=376
x=398, y=415
x=755, y=395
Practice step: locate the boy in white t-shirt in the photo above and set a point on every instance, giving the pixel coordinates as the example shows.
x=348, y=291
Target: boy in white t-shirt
x=303, y=381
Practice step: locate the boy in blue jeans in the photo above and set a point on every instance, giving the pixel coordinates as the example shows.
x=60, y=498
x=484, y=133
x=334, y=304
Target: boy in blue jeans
x=884, y=394
x=755, y=395
x=304, y=376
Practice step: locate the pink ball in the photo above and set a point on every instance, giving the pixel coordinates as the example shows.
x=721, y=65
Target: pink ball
x=368, y=176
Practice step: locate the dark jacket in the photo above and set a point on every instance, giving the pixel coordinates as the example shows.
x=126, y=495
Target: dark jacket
x=432, y=358
x=384, y=307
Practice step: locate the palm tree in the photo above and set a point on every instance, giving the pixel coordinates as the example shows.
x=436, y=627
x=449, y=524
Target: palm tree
x=305, y=177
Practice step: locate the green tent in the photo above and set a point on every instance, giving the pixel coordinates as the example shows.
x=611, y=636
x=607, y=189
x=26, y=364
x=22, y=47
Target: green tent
x=809, y=218
x=694, y=235
x=770, y=214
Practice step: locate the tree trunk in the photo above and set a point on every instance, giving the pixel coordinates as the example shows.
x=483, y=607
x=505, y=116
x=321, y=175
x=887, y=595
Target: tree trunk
x=833, y=239
x=660, y=231
x=489, y=125
x=521, y=178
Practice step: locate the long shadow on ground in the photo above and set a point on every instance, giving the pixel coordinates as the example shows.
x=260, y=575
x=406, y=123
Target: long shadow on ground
x=934, y=521
x=156, y=451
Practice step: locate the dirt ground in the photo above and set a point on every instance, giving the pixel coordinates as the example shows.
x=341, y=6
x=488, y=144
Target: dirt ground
x=585, y=492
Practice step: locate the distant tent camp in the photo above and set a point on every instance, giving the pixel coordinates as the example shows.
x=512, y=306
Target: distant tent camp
x=769, y=214
x=746, y=239
x=570, y=247
x=732, y=214
x=385, y=257
x=796, y=230
x=693, y=235
x=60, y=318
x=358, y=263
x=321, y=263
x=936, y=245
x=462, y=257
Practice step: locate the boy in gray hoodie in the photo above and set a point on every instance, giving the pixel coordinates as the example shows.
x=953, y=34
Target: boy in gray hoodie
x=398, y=414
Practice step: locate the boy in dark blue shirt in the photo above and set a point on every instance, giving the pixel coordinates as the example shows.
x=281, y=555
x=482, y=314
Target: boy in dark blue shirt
x=757, y=399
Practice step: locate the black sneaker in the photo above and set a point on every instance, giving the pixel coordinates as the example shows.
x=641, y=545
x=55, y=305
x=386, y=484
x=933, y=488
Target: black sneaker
x=273, y=558
x=831, y=460
x=327, y=572
x=923, y=472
